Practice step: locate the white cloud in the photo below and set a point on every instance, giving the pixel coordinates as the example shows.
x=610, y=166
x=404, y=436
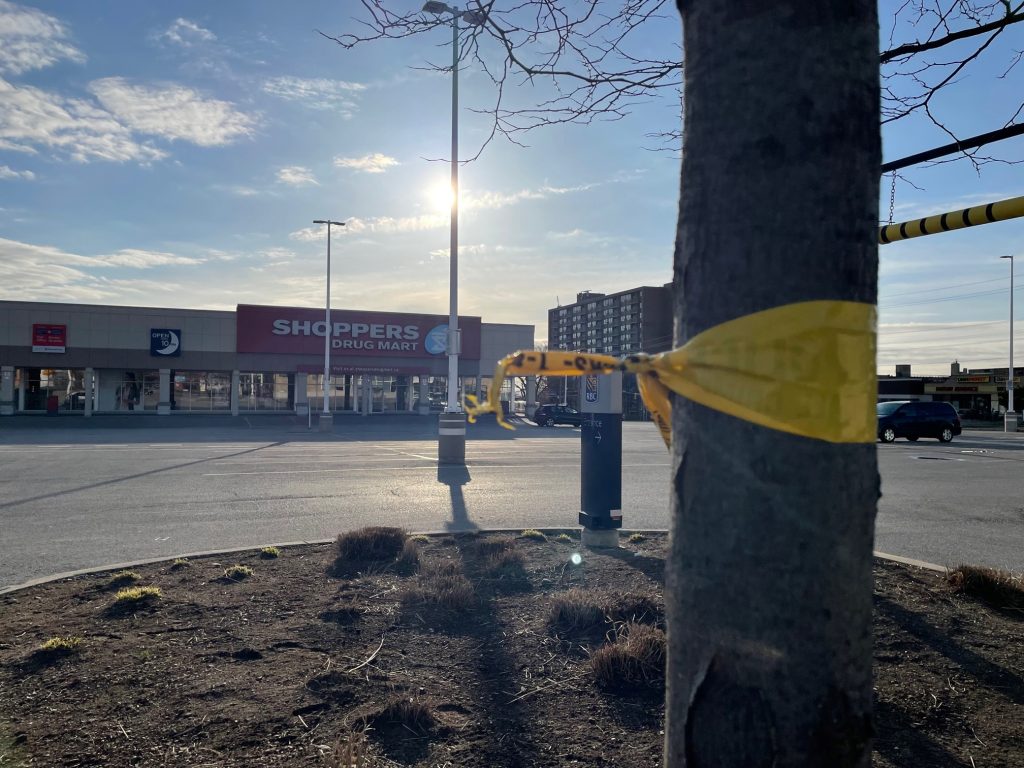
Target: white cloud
x=388, y=224
x=30, y=118
x=31, y=39
x=296, y=175
x=173, y=112
x=44, y=272
x=187, y=33
x=316, y=93
x=376, y=224
x=375, y=163
x=469, y=199
x=142, y=286
x=9, y=173
x=139, y=259
x=309, y=234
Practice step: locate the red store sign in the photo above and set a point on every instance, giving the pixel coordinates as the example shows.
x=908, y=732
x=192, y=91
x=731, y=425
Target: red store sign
x=298, y=331
x=49, y=338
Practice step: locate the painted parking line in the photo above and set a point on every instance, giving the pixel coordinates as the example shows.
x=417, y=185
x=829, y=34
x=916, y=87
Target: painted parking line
x=389, y=469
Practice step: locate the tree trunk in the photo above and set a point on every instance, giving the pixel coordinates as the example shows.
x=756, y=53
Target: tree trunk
x=769, y=583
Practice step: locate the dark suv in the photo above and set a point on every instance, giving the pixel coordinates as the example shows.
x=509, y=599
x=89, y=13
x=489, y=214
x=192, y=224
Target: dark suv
x=549, y=415
x=902, y=418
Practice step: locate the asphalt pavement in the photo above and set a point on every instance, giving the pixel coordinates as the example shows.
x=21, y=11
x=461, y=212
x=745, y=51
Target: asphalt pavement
x=77, y=496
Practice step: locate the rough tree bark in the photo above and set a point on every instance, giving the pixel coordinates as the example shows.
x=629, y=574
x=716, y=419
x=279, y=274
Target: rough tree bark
x=769, y=583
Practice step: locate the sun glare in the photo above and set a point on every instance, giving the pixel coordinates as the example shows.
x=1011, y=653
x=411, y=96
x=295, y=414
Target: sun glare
x=440, y=197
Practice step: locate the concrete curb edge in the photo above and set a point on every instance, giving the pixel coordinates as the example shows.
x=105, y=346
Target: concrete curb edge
x=214, y=552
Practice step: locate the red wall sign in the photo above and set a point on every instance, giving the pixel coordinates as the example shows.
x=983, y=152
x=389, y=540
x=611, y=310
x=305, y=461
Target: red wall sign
x=49, y=338
x=298, y=331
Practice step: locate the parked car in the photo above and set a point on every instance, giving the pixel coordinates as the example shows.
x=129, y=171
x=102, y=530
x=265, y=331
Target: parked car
x=549, y=415
x=902, y=418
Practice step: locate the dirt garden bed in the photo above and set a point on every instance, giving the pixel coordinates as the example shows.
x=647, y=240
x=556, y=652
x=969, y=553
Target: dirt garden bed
x=466, y=652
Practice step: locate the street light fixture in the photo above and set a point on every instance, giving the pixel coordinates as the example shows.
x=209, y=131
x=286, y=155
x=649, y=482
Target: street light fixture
x=326, y=417
x=1010, y=420
x=453, y=428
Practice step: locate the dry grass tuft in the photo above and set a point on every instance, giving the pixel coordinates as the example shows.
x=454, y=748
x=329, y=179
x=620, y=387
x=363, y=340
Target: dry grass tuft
x=489, y=547
x=441, y=585
x=635, y=660
x=60, y=646
x=367, y=548
x=579, y=611
x=636, y=538
x=122, y=579
x=505, y=564
x=576, y=611
x=998, y=589
x=269, y=553
x=633, y=608
x=533, y=534
x=137, y=595
x=238, y=572
x=179, y=563
x=565, y=538
x=409, y=558
x=412, y=714
x=373, y=543
x=350, y=752
x=420, y=538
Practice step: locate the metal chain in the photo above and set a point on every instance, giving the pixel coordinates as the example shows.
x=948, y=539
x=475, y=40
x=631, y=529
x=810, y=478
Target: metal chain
x=892, y=197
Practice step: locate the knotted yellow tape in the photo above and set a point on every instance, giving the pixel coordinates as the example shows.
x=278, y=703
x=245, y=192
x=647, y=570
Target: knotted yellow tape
x=807, y=369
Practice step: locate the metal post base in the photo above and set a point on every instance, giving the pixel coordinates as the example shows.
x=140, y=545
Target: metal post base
x=1010, y=422
x=326, y=422
x=451, y=438
x=603, y=539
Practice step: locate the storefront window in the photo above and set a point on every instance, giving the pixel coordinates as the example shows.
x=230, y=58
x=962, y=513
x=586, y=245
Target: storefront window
x=263, y=392
x=129, y=394
x=336, y=392
x=67, y=385
x=201, y=391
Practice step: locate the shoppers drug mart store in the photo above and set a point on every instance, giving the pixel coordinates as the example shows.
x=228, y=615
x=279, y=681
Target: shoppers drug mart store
x=90, y=359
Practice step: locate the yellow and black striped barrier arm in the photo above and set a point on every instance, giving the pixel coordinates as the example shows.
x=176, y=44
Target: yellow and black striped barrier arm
x=946, y=222
x=806, y=368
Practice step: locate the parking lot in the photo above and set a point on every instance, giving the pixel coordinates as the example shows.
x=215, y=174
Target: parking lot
x=78, y=498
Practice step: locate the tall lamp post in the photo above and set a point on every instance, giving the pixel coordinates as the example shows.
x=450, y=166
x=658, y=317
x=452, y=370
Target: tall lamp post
x=1010, y=420
x=451, y=444
x=326, y=417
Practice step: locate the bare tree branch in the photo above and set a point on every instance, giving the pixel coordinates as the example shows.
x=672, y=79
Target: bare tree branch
x=909, y=49
x=553, y=62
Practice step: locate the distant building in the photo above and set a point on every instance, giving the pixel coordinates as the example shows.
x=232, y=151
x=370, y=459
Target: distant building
x=978, y=393
x=637, y=320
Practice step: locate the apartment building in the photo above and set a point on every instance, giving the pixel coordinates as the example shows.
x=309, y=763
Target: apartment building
x=637, y=320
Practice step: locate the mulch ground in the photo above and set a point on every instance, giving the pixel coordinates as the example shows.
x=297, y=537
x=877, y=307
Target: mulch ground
x=293, y=666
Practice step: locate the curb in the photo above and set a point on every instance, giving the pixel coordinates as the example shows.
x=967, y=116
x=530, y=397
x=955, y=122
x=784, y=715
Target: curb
x=214, y=552
x=911, y=561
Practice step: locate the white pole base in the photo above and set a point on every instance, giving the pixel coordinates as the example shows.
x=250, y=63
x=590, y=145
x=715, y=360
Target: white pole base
x=599, y=539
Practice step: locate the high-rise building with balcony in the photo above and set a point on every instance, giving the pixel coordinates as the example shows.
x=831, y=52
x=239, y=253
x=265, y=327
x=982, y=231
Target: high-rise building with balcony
x=637, y=320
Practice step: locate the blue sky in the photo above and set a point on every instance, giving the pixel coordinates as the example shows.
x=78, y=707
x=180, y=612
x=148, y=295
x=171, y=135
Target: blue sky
x=176, y=154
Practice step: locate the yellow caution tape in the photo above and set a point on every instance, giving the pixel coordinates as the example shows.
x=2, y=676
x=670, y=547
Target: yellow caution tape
x=807, y=369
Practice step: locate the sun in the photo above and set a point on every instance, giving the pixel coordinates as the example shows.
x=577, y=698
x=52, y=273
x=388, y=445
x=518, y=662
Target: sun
x=439, y=197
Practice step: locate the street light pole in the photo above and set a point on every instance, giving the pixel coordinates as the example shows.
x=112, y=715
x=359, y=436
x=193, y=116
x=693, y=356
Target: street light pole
x=1010, y=420
x=326, y=416
x=451, y=445
x=453, y=261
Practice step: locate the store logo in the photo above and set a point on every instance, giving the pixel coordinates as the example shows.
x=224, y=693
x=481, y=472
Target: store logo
x=436, y=342
x=165, y=342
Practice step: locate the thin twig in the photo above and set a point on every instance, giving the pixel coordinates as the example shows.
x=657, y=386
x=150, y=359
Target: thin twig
x=372, y=656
